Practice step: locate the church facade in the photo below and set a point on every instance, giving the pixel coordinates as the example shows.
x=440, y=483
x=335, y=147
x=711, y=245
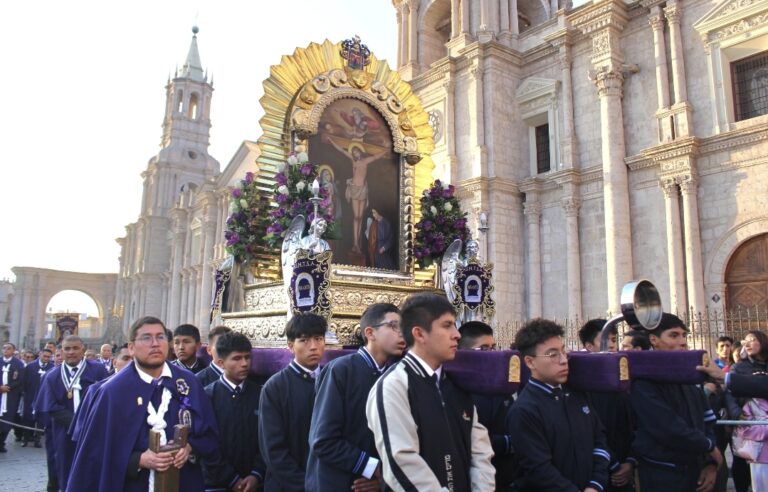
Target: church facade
x=611, y=141
x=607, y=142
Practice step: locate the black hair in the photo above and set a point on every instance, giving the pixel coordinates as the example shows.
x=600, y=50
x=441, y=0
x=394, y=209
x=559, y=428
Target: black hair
x=639, y=339
x=591, y=329
x=146, y=320
x=374, y=314
x=230, y=342
x=762, y=339
x=471, y=331
x=187, y=331
x=11, y=344
x=45, y=350
x=534, y=332
x=121, y=347
x=668, y=322
x=218, y=331
x=725, y=338
x=303, y=325
x=72, y=338
x=421, y=310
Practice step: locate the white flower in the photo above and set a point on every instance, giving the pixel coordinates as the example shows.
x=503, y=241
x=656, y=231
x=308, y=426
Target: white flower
x=448, y=207
x=281, y=167
x=444, y=185
x=243, y=203
x=300, y=185
x=433, y=210
x=233, y=206
x=303, y=157
x=292, y=160
x=282, y=189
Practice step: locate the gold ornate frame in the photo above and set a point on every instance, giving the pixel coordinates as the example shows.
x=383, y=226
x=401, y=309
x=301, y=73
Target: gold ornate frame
x=295, y=95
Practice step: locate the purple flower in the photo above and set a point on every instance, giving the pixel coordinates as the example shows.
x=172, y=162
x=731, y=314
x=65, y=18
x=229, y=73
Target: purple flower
x=306, y=169
x=277, y=227
x=234, y=238
x=236, y=193
x=280, y=212
x=427, y=225
x=448, y=192
x=281, y=179
x=249, y=177
x=281, y=199
x=440, y=220
x=436, y=192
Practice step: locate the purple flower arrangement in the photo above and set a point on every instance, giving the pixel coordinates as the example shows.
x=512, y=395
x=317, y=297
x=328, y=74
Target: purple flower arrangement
x=292, y=193
x=246, y=224
x=442, y=222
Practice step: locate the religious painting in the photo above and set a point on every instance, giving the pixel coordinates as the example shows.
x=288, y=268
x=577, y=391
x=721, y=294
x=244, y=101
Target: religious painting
x=66, y=325
x=356, y=165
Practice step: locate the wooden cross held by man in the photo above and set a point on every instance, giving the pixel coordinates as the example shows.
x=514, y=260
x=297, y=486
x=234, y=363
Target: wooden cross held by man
x=168, y=480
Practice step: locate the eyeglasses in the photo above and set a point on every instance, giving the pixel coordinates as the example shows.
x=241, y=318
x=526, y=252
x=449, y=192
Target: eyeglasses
x=392, y=325
x=485, y=348
x=147, y=339
x=555, y=356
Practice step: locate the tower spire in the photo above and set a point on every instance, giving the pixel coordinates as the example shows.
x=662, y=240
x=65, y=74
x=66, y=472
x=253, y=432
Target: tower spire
x=193, y=68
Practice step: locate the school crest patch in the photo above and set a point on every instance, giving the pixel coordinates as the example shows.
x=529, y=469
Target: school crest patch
x=585, y=409
x=182, y=387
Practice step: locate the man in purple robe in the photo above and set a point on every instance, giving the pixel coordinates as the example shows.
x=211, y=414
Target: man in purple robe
x=61, y=391
x=11, y=385
x=113, y=441
x=33, y=374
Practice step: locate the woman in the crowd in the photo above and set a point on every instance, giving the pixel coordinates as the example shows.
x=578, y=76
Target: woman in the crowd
x=755, y=344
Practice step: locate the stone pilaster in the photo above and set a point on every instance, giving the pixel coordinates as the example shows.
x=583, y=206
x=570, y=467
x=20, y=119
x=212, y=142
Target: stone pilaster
x=449, y=89
x=206, y=289
x=571, y=207
x=677, y=296
x=681, y=109
x=656, y=20
x=478, y=109
x=179, y=220
x=532, y=211
x=455, y=18
x=693, y=263
x=562, y=40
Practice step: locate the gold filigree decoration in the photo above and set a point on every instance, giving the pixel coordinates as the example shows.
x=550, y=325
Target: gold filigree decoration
x=514, y=369
x=623, y=369
x=296, y=93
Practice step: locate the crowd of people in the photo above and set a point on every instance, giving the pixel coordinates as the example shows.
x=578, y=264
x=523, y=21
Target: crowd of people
x=386, y=417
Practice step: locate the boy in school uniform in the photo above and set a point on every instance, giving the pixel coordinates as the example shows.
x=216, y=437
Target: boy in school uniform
x=235, y=402
x=186, y=343
x=615, y=413
x=213, y=371
x=491, y=410
x=559, y=440
x=342, y=450
x=285, y=408
x=675, y=440
x=426, y=429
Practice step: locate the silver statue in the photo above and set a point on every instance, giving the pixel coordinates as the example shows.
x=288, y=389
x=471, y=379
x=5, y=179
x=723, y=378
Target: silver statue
x=314, y=242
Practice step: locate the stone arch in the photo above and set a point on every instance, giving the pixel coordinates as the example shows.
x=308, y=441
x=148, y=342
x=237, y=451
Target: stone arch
x=532, y=13
x=714, y=276
x=434, y=32
x=35, y=287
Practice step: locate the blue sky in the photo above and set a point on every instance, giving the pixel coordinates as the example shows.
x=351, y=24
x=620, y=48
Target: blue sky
x=83, y=99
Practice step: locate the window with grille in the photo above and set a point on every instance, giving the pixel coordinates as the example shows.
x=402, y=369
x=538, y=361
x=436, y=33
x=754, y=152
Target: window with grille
x=542, y=148
x=750, y=86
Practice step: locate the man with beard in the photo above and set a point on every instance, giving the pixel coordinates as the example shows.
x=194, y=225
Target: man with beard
x=113, y=446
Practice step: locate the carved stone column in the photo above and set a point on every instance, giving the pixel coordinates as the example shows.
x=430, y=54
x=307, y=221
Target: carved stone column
x=532, y=211
x=673, y=14
x=513, y=17
x=504, y=16
x=478, y=166
x=465, y=27
x=206, y=264
x=176, y=281
x=571, y=206
x=677, y=296
x=449, y=132
x=604, y=21
x=194, y=281
x=455, y=18
x=413, y=33
x=399, y=16
x=693, y=265
x=656, y=20
x=182, y=316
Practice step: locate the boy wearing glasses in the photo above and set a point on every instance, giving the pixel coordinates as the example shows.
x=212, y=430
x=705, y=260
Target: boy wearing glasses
x=559, y=441
x=491, y=410
x=426, y=429
x=342, y=450
x=150, y=394
x=285, y=408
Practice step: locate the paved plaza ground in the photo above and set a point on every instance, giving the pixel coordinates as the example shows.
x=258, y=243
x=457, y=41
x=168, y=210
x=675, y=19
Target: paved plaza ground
x=23, y=469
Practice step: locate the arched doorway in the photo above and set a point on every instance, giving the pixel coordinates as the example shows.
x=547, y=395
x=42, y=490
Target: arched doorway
x=746, y=276
x=78, y=304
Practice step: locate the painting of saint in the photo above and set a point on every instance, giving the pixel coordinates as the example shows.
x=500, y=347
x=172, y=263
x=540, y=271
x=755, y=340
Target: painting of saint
x=360, y=172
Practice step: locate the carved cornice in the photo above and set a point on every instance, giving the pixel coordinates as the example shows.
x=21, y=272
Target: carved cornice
x=600, y=15
x=729, y=19
x=687, y=147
